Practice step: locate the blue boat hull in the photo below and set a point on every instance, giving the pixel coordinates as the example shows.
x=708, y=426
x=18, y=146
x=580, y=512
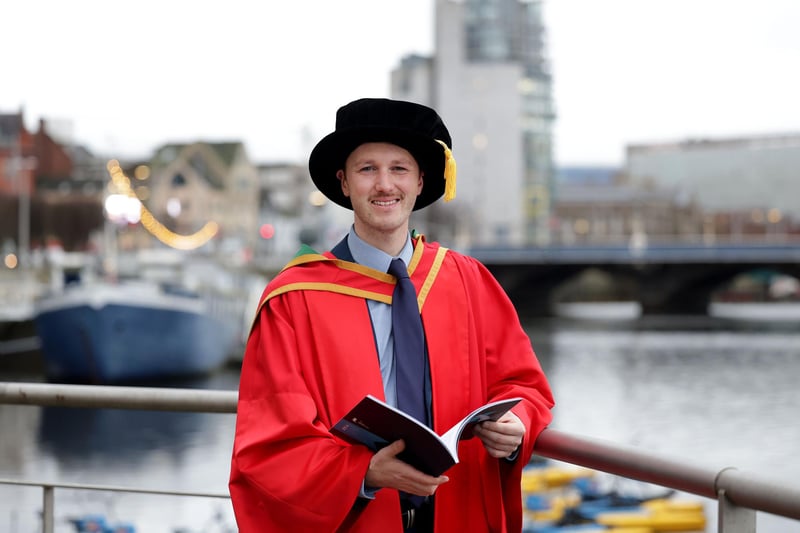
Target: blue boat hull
x=116, y=342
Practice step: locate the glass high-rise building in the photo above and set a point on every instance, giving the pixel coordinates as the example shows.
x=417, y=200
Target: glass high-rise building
x=490, y=80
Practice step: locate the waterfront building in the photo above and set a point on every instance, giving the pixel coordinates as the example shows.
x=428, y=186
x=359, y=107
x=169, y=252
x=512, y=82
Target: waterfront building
x=188, y=185
x=746, y=185
x=50, y=189
x=616, y=211
x=293, y=211
x=490, y=80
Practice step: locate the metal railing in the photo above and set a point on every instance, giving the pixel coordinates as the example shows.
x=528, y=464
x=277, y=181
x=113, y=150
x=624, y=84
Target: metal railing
x=739, y=494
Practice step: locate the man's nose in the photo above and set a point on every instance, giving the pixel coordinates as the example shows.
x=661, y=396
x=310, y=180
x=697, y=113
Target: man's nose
x=384, y=179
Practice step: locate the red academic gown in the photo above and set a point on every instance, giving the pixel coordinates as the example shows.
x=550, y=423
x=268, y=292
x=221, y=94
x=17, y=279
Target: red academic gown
x=311, y=356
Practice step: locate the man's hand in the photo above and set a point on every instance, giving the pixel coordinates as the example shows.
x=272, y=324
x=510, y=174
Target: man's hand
x=386, y=470
x=503, y=437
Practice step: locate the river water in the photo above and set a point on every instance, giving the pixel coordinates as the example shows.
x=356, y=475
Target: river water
x=718, y=392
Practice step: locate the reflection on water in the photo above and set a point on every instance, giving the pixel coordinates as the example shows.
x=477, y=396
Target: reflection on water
x=17, y=437
x=677, y=390
x=117, y=437
x=717, y=391
x=149, y=449
x=714, y=391
x=125, y=438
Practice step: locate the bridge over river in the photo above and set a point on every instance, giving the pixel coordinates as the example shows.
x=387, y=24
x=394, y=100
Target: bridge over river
x=665, y=277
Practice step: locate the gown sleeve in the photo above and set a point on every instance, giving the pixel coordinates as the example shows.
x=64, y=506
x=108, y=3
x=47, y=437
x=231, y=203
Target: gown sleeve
x=288, y=472
x=512, y=367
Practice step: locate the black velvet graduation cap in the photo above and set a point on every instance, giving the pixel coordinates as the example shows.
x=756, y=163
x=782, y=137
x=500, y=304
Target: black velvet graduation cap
x=415, y=127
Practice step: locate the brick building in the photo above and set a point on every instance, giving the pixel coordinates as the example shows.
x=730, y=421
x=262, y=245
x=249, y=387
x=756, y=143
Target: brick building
x=37, y=176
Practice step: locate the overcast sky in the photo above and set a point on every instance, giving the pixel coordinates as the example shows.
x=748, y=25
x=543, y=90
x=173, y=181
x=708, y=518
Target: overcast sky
x=125, y=77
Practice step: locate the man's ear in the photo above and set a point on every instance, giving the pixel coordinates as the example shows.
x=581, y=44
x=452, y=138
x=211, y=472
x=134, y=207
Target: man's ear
x=343, y=182
x=421, y=182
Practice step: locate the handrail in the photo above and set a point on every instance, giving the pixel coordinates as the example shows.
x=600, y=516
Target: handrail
x=739, y=488
x=118, y=397
x=115, y=488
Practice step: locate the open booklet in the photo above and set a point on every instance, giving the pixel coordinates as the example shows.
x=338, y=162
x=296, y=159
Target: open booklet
x=375, y=424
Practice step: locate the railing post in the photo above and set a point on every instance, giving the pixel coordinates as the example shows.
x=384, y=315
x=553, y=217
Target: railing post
x=732, y=518
x=48, y=503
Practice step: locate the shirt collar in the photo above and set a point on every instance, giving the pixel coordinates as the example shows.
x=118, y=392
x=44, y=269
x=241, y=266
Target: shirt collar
x=367, y=255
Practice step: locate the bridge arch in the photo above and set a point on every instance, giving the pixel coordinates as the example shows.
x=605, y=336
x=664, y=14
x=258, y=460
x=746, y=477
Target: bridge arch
x=666, y=279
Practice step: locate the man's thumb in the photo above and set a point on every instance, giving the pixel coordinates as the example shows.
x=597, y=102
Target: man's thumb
x=396, y=447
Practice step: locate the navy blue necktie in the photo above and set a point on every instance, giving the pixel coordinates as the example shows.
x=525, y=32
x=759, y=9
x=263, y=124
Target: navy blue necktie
x=409, y=345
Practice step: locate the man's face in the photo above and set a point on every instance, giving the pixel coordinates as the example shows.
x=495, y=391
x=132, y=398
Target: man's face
x=382, y=181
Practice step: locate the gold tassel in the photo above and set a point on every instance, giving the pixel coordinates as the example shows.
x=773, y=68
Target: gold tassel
x=449, y=173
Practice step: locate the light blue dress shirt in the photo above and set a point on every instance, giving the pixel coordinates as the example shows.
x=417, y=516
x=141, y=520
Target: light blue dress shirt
x=381, y=313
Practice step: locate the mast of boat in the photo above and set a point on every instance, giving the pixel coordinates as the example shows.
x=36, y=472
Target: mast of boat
x=21, y=169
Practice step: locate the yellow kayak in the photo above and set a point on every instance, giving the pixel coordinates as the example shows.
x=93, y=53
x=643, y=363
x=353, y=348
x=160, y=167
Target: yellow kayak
x=661, y=521
x=542, y=478
x=669, y=505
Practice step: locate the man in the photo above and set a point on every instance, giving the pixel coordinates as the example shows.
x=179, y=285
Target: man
x=323, y=339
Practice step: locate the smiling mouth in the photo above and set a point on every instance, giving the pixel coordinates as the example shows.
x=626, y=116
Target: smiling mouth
x=385, y=203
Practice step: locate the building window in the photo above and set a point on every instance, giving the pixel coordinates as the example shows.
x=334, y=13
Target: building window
x=178, y=180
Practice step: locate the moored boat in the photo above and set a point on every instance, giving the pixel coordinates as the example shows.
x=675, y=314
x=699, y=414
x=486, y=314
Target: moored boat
x=19, y=345
x=104, y=333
